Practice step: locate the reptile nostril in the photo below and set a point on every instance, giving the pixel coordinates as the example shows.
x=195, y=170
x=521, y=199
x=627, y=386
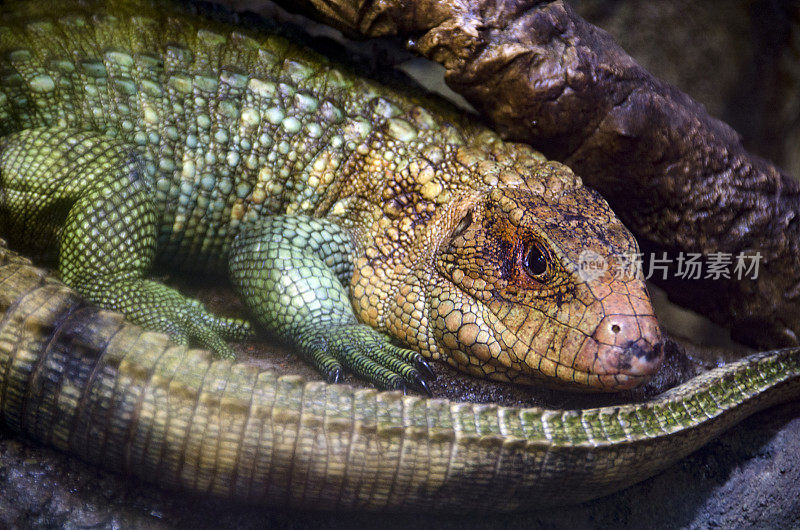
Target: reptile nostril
x=628, y=345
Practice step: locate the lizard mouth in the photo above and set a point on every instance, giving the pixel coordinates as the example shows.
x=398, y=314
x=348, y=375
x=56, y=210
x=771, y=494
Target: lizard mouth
x=619, y=353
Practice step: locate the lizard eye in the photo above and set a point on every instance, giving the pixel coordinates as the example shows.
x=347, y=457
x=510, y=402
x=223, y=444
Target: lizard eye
x=534, y=261
x=462, y=225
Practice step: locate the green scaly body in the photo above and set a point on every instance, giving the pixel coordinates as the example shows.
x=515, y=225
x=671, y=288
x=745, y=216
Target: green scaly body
x=343, y=212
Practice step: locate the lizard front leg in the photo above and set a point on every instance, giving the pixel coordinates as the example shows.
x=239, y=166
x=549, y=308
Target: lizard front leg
x=291, y=272
x=85, y=195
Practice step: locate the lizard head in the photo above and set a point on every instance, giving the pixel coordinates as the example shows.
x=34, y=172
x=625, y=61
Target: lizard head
x=506, y=266
x=536, y=286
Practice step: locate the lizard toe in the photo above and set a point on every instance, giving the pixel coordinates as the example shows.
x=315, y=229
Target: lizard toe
x=369, y=355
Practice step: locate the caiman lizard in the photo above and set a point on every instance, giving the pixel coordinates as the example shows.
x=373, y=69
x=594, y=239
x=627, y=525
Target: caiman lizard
x=348, y=216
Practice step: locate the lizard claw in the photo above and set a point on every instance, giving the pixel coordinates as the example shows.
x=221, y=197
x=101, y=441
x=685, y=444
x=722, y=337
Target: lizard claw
x=334, y=376
x=427, y=372
x=419, y=385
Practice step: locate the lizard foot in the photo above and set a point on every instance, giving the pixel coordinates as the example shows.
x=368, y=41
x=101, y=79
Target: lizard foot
x=293, y=274
x=368, y=354
x=160, y=308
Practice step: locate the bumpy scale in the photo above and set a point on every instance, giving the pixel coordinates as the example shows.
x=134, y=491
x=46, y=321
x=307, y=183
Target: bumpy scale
x=346, y=212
